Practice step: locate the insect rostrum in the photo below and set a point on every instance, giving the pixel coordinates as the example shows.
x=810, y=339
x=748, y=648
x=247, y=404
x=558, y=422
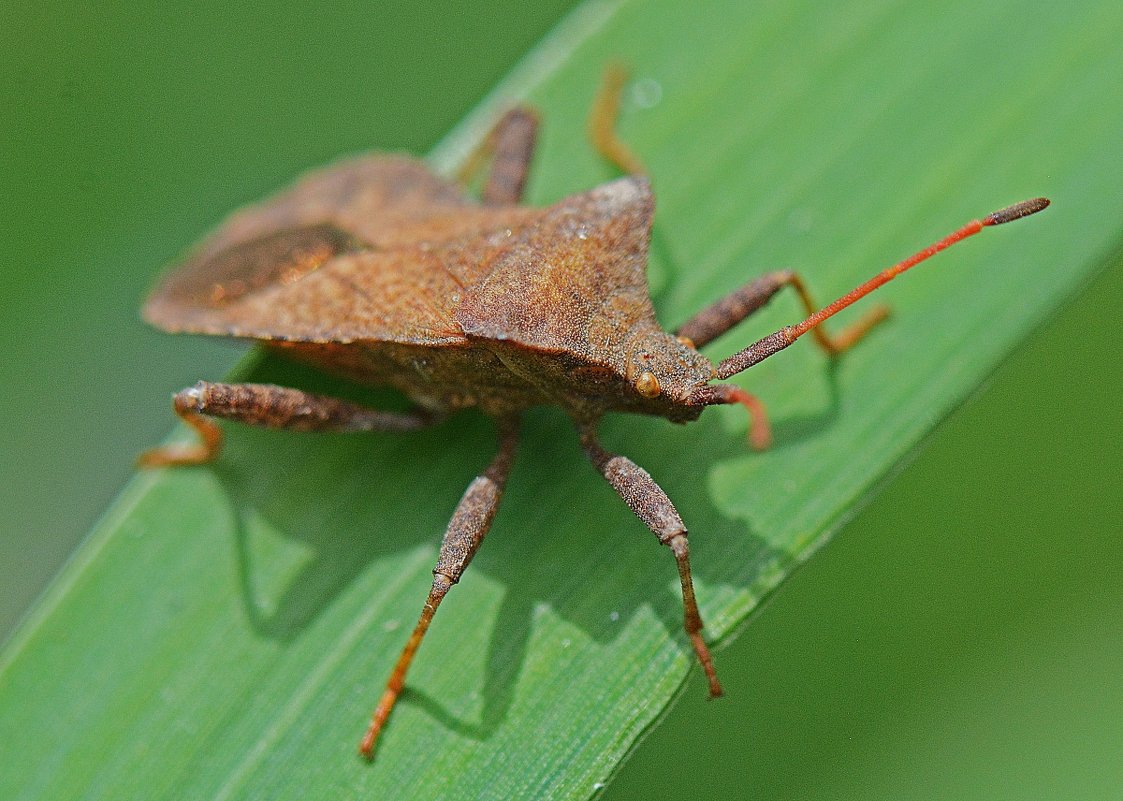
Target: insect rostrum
x=385, y=273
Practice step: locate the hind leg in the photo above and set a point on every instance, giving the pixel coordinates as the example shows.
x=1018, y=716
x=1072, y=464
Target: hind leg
x=602, y=123
x=270, y=406
x=510, y=146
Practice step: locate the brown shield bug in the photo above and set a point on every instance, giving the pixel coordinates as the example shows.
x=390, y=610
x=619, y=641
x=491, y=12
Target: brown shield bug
x=385, y=273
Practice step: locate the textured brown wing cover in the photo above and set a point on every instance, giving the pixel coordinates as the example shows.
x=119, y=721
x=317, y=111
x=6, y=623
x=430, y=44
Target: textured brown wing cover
x=378, y=249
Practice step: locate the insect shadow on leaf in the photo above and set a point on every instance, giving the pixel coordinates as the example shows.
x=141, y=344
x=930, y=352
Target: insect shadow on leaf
x=382, y=272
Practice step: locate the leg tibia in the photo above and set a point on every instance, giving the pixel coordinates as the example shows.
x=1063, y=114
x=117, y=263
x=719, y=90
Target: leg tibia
x=602, y=123
x=467, y=529
x=396, y=682
x=850, y=335
x=692, y=620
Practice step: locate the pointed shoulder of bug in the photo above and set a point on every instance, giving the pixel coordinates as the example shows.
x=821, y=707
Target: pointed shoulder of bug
x=568, y=304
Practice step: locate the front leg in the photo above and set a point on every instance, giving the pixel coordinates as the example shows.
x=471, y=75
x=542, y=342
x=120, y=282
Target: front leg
x=651, y=505
x=270, y=406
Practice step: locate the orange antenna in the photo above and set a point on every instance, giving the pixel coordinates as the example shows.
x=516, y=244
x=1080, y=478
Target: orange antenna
x=773, y=343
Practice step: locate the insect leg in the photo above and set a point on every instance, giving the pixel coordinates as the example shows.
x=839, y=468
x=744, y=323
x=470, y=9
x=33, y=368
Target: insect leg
x=717, y=318
x=513, y=147
x=510, y=146
x=470, y=523
x=270, y=406
x=602, y=122
x=651, y=505
x=760, y=432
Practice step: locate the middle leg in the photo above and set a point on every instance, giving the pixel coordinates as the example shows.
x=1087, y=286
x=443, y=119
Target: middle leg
x=651, y=505
x=717, y=318
x=470, y=523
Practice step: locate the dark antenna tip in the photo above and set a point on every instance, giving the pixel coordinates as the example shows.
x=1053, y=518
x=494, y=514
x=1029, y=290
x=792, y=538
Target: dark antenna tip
x=1017, y=211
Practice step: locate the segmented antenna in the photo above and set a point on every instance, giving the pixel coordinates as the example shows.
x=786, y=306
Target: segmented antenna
x=773, y=343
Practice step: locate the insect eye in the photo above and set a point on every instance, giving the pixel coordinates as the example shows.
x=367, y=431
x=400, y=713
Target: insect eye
x=647, y=385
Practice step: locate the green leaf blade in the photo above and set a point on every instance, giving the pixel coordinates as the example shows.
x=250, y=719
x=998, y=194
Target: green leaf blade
x=225, y=631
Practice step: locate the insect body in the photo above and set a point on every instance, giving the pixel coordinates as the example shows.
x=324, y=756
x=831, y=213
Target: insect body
x=380, y=271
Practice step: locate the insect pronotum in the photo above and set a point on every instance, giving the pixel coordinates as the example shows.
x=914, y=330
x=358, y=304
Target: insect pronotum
x=385, y=273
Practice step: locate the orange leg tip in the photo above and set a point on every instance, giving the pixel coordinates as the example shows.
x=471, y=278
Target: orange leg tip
x=149, y=460
x=366, y=747
x=189, y=454
x=715, y=686
x=616, y=74
x=601, y=123
x=389, y=699
x=707, y=661
x=853, y=334
x=173, y=457
x=760, y=432
x=876, y=316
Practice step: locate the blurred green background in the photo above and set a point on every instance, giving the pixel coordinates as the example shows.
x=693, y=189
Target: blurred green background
x=125, y=133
